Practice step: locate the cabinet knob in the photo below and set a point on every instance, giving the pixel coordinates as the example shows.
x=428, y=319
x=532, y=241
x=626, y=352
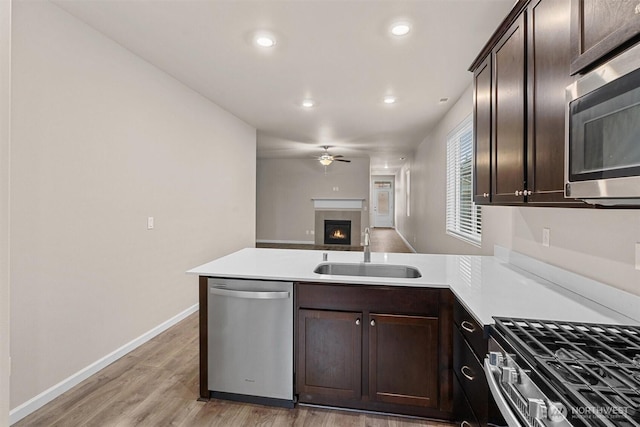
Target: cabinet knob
x=528, y=192
x=357, y=321
x=373, y=322
x=485, y=194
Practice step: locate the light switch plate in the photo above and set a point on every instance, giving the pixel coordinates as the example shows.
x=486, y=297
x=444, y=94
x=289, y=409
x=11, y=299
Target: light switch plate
x=546, y=232
x=637, y=256
x=150, y=223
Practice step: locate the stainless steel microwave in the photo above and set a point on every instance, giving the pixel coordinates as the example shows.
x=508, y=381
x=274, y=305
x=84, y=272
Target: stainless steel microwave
x=602, y=149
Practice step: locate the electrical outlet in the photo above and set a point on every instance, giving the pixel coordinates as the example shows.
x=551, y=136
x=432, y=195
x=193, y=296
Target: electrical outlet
x=637, y=256
x=545, y=237
x=150, y=223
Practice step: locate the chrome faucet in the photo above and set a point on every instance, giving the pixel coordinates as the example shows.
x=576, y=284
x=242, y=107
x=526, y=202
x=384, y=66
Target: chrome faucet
x=367, y=245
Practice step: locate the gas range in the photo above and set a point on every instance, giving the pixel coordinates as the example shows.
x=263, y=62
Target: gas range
x=565, y=374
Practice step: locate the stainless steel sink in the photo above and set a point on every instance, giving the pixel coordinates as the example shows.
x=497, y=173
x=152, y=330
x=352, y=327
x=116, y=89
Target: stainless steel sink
x=370, y=270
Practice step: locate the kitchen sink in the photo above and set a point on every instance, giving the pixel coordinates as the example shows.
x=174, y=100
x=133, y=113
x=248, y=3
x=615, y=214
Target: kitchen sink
x=370, y=270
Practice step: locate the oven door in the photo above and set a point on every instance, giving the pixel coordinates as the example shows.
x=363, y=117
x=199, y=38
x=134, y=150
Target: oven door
x=519, y=399
x=603, y=132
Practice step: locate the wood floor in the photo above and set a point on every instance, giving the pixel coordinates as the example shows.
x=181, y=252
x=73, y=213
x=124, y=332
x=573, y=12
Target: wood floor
x=382, y=240
x=157, y=385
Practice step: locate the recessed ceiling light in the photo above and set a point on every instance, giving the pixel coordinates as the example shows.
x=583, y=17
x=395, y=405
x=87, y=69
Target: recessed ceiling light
x=264, y=40
x=400, y=28
x=389, y=99
x=308, y=103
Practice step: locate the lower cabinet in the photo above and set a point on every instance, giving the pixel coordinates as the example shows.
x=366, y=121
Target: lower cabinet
x=473, y=403
x=330, y=353
x=376, y=348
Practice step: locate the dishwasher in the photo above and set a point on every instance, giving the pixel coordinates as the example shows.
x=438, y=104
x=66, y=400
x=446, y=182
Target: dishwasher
x=250, y=349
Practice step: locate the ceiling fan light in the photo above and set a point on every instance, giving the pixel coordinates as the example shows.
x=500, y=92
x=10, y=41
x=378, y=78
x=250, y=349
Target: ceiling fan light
x=326, y=161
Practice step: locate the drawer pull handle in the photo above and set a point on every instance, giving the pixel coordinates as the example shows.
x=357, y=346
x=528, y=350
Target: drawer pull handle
x=470, y=376
x=468, y=326
x=357, y=321
x=373, y=322
x=465, y=424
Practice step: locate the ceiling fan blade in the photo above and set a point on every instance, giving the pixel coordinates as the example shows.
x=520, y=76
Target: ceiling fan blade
x=338, y=156
x=341, y=160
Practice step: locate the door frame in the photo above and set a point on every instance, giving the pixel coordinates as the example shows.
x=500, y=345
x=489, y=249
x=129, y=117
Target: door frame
x=372, y=209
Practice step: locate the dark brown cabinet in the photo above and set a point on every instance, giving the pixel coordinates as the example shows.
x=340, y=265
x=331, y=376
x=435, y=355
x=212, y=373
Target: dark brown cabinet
x=482, y=101
x=548, y=54
x=376, y=348
x=403, y=352
x=600, y=29
x=473, y=404
x=509, y=60
x=529, y=66
x=330, y=345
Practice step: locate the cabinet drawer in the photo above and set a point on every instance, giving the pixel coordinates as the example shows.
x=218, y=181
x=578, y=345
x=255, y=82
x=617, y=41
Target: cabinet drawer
x=470, y=329
x=469, y=372
x=462, y=411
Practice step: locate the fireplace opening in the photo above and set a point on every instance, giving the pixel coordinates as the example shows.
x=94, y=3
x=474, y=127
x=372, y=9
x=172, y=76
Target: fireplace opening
x=337, y=232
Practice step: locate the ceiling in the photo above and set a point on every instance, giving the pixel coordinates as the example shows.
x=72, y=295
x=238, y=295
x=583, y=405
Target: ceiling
x=339, y=53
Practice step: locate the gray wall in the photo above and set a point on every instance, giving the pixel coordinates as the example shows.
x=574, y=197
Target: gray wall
x=596, y=243
x=102, y=140
x=5, y=137
x=286, y=186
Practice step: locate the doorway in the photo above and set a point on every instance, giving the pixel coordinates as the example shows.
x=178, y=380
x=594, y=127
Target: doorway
x=383, y=203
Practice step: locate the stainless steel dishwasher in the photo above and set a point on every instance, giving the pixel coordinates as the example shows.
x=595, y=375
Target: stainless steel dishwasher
x=250, y=327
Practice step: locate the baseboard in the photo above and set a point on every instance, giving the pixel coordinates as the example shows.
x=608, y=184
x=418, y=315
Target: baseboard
x=65, y=385
x=406, y=242
x=287, y=242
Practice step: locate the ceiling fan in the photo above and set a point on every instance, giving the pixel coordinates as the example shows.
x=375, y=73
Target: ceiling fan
x=326, y=159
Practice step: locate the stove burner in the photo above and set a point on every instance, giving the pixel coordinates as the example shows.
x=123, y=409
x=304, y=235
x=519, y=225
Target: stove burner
x=594, y=368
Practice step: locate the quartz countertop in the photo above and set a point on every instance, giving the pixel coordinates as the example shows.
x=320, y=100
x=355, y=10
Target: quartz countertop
x=486, y=285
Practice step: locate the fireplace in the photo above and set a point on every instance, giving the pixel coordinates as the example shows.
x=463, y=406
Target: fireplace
x=337, y=232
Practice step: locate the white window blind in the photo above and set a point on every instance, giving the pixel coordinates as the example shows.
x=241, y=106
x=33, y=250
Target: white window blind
x=464, y=218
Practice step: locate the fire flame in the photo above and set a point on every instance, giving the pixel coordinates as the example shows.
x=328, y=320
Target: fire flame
x=338, y=235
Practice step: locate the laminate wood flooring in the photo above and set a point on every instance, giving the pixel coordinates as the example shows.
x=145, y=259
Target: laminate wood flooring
x=156, y=385
x=382, y=240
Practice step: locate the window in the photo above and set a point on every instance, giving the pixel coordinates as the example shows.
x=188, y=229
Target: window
x=464, y=219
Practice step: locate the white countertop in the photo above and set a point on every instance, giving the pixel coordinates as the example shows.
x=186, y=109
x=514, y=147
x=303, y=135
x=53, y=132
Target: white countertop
x=486, y=285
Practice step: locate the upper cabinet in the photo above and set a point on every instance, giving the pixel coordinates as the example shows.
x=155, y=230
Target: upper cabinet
x=482, y=95
x=548, y=59
x=520, y=109
x=600, y=29
x=509, y=70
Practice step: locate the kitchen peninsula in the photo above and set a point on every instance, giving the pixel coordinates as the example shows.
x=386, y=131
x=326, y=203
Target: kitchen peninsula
x=357, y=338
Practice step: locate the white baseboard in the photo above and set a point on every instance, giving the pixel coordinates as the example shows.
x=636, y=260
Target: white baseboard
x=288, y=242
x=65, y=385
x=406, y=241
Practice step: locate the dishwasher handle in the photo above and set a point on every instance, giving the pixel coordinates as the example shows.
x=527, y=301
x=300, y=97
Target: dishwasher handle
x=249, y=294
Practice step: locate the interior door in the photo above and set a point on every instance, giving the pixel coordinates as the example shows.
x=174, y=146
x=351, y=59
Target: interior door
x=383, y=203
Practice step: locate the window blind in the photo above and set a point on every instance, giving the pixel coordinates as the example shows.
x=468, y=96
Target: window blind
x=464, y=218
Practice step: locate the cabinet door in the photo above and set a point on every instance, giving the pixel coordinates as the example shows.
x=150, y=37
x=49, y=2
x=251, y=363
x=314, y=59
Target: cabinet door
x=509, y=115
x=547, y=77
x=599, y=27
x=329, y=354
x=403, y=359
x=482, y=132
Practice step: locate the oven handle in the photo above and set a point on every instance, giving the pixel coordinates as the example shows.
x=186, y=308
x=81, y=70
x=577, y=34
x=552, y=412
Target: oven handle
x=509, y=416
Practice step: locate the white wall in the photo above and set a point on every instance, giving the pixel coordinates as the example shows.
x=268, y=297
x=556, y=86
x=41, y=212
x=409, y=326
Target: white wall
x=425, y=228
x=597, y=243
x=100, y=141
x=5, y=138
x=286, y=186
